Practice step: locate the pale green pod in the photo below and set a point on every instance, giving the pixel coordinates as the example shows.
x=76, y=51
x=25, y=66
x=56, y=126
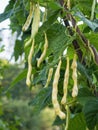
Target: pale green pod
x=29, y=18
x=35, y=24
x=65, y=84
x=40, y=60
x=28, y=79
x=74, y=76
x=55, y=102
x=49, y=77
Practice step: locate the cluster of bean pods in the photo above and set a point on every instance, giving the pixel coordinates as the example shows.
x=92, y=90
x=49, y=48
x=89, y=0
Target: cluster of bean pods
x=55, y=102
x=35, y=13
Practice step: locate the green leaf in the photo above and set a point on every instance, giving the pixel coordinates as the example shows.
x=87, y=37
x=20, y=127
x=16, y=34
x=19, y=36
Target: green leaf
x=84, y=96
x=40, y=76
x=57, y=41
x=5, y=15
x=54, y=5
x=84, y=71
x=42, y=99
x=21, y=76
x=91, y=113
x=77, y=122
x=57, y=44
x=8, y=11
x=18, y=49
x=20, y=17
x=46, y=25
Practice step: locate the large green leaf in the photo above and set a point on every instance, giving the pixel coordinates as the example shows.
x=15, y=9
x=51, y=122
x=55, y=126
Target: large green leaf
x=77, y=122
x=84, y=71
x=57, y=41
x=85, y=95
x=91, y=113
x=42, y=99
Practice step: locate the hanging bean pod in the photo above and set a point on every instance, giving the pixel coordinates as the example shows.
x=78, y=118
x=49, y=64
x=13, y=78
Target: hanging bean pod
x=65, y=84
x=55, y=102
x=49, y=77
x=29, y=18
x=74, y=76
x=35, y=24
x=40, y=60
x=28, y=79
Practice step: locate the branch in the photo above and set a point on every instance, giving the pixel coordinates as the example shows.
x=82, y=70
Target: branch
x=75, y=43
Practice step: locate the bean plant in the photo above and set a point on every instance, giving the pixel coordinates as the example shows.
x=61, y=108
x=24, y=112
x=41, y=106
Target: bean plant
x=59, y=41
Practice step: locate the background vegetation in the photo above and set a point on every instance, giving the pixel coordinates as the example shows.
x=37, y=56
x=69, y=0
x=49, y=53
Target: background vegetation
x=15, y=111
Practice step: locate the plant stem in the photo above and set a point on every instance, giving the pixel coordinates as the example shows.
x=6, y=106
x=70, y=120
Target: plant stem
x=93, y=9
x=68, y=117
